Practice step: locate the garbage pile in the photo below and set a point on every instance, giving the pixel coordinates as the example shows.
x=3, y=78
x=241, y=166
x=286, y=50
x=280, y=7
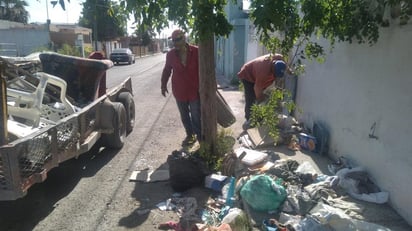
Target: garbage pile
x=259, y=191
x=295, y=135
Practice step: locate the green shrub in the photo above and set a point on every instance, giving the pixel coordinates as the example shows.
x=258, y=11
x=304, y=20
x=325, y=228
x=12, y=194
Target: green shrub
x=66, y=49
x=41, y=49
x=224, y=144
x=265, y=114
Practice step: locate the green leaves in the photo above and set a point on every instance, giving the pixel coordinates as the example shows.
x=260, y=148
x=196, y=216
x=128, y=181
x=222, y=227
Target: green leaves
x=265, y=114
x=210, y=19
x=105, y=17
x=14, y=10
x=206, y=17
x=286, y=25
x=180, y=12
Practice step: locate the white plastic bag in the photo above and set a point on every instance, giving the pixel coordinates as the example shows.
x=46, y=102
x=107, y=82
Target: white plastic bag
x=306, y=168
x=252, y=157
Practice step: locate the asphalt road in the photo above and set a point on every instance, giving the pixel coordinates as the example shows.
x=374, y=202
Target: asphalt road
x=93, y=192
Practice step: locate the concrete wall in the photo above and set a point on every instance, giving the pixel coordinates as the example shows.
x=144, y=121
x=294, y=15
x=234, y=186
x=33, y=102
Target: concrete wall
x=241, y=46
x=234, y=9
x=232, y=52
x=26, y=40
x=364, y=95
x=361, y=93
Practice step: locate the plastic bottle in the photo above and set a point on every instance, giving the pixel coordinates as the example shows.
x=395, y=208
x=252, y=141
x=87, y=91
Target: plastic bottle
x=230, y=192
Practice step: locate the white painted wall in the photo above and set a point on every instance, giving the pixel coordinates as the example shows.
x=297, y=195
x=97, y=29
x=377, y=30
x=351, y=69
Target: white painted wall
x=252, y=48
x=359, y=86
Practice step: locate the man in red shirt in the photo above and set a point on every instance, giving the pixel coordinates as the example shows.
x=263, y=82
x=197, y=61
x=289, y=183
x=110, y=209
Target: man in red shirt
x=182, y=64
x=256, y=75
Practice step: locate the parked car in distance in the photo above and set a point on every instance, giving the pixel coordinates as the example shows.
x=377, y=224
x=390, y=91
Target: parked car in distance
x=166, y=49
x=122, y=55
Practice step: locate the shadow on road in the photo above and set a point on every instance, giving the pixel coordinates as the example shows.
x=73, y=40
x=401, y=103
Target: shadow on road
x=150, y=194
x=25, y=213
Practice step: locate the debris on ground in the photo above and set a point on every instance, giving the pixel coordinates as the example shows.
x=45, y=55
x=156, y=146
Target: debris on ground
x=260, y=191
x=257, y=190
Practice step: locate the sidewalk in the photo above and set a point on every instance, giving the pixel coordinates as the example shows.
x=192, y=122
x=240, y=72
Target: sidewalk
x=380, y=214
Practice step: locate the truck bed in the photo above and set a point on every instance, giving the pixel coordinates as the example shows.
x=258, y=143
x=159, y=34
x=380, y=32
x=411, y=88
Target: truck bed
x=26, y=159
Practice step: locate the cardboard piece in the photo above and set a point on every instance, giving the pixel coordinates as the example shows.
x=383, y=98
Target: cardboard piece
x=148, y=175
x=260, y=137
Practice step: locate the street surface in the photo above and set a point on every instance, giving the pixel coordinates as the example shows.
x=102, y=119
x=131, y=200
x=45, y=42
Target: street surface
x=93, y=192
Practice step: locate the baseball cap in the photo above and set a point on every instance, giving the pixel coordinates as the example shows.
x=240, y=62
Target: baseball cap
x=280, y=68
x=176, y=34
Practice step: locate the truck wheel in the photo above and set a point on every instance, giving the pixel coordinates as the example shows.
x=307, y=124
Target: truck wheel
x=116, y=139
x=127, y=100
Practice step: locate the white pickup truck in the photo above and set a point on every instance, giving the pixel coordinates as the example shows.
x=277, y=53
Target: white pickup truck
x=55, y=113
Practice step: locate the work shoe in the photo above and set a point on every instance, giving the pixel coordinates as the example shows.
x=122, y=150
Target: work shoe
x=189, y=140
x=246, y=125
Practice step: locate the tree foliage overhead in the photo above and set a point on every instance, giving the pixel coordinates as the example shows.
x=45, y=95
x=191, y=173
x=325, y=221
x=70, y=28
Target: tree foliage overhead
x=106, y=16
x=142, y=35
x=298, y=22
x=205, y=18
x=61, y=3
x=14, y=10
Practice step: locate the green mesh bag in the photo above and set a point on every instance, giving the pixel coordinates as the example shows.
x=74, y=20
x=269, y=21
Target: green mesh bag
x=262, y=193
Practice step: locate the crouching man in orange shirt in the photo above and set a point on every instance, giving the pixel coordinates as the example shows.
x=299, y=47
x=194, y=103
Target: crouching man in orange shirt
x=256, y=75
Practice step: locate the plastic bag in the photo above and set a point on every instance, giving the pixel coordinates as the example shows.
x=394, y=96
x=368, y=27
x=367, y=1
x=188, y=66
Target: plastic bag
x=186, y=171
x=262, y=193
x=237, y=219
x=306, y=168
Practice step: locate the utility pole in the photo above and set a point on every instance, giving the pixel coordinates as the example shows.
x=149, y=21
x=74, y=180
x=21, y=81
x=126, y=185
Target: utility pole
x=3, y=107
x=48, y=26
x=95, y=26
x=140, y=39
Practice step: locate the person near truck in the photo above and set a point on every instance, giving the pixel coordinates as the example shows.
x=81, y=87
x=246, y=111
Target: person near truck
x=182, y=65
x=258, y=74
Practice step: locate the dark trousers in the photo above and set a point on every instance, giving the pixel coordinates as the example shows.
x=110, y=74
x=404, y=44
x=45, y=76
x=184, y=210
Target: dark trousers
x=190, y=115
x=250, y=97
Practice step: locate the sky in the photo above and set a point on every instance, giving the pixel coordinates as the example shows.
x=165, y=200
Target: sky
x=39, y=9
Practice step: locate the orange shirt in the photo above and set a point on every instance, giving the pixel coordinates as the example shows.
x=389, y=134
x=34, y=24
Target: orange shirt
x=260, y=72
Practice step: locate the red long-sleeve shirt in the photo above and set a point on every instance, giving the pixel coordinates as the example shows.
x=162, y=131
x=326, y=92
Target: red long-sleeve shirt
x=185, y=78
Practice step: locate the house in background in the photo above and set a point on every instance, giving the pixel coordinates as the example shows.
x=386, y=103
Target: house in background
x=361, y=94
x=72, y=35
x=18, y=39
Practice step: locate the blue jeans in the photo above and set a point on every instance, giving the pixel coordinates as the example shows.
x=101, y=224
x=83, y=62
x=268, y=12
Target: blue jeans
x=190, y=116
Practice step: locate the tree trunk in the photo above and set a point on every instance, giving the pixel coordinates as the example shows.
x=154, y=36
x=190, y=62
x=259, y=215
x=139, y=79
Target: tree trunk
x=207, y=88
